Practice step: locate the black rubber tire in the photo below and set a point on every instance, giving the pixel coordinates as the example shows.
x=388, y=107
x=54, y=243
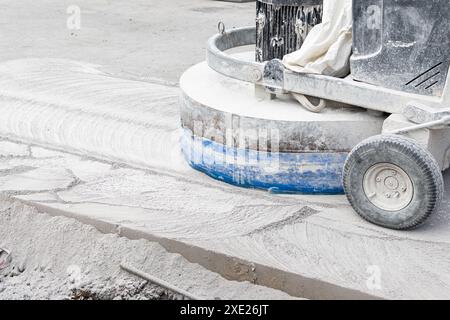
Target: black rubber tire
x=416, y=161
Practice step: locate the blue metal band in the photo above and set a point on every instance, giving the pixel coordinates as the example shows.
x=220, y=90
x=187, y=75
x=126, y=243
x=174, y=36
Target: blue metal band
x=305, y=173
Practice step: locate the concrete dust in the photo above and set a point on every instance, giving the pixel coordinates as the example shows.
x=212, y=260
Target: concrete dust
x=60, y=258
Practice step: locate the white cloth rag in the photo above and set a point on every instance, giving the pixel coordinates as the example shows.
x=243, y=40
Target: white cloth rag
x=328, y=46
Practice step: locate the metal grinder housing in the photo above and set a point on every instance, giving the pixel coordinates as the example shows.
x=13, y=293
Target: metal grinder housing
x=402, y=44
x=282, y=26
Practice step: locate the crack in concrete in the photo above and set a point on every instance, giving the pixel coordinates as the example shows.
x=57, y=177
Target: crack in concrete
x=16, y=170
x=297, y=217
x=23, y=169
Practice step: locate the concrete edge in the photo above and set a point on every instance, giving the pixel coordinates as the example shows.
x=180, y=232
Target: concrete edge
x=229, y=267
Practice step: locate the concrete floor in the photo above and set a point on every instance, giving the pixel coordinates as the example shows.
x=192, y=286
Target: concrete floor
x=142, y=39
x=313, y=247
x=310, y=246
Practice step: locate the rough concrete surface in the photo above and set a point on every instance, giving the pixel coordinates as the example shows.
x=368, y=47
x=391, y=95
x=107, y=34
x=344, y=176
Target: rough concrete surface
x=314, y=247
x=60, y=258
x=144, y=39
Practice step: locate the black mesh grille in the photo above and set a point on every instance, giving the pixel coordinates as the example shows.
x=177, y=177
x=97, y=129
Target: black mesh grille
x=282, y=29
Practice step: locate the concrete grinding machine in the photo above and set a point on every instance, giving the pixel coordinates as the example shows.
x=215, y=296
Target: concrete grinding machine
x=384, y=138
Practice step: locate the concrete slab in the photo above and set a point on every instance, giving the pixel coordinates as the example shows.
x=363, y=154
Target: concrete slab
x=313, y=247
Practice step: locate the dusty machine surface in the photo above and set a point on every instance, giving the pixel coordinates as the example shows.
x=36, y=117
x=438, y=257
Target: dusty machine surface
x=237, y=138
x=232, y=133
x=282, y=26
x=392, y=174
x=403, y=45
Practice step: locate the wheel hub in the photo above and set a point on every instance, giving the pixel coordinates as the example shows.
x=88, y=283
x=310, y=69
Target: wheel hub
x=388, y=187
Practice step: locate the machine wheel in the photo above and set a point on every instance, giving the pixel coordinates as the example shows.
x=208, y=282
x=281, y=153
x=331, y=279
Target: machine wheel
x=393, y=182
